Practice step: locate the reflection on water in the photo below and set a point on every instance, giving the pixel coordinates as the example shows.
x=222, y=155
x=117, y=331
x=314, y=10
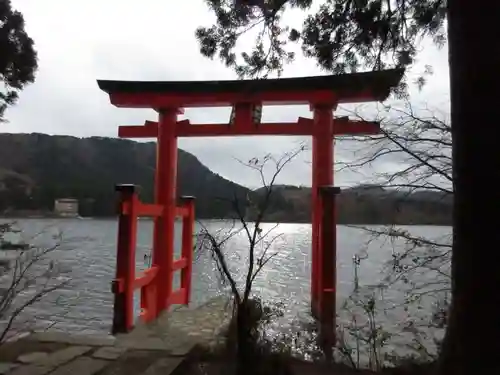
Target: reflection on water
x=88, y=252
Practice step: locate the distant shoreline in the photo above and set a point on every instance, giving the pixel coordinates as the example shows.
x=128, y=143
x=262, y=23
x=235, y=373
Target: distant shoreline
x=41, y=216
x=85, y=218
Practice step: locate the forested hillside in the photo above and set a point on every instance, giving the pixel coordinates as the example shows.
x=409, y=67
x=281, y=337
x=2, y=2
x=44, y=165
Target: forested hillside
x=36, y=169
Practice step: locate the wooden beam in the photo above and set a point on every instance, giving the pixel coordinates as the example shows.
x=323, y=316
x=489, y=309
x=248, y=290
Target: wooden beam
x=148, y=130
x=165, y=100
x=303, y=127
x=323, y=89
x=146, y=277
x=344, y=126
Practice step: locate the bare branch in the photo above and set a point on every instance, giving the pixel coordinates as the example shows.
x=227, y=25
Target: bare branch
x=419, y=143
x=31, y=301
x=215, y=246
x=22, y=278
x=416, y=144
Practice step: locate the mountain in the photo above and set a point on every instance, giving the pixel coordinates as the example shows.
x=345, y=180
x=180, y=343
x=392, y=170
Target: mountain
x=364, y=204
x=37, y=169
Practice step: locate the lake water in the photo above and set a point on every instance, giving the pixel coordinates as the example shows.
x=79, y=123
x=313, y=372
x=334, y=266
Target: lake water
x=88, y=250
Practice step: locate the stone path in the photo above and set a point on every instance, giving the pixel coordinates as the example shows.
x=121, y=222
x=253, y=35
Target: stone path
x=158, y=348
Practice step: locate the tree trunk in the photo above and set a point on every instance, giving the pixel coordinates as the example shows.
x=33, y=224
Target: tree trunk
x=246, y=365
x=472, y=341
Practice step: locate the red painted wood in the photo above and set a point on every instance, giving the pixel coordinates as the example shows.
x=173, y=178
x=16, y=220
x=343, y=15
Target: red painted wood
x=148, y=210
x=302, y=127
x=123, y=317
x=137, y=131
x=181, y=211
x=322, y=174
x=147, y=283
x=156, y=248
x=328, y=261
x=148, y=302
x=344, y=126
x=179, y=264
x=240, y=128
x=187, y=248
x=156, y=283
x=183, y=100
x=166, y=173
x=146, y=277
x=178, y=297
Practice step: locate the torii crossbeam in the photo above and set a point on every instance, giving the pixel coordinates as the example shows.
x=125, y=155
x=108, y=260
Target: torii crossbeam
x=321, y=93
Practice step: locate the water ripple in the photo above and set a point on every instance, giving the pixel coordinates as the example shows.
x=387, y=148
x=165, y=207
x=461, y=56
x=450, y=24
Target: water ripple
x=88, y=256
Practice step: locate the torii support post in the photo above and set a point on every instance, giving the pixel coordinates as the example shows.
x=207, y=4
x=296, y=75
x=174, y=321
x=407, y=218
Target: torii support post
x=123, y=285
x=126, y=280
x=164, y=227
x=187, y=246
x=322, y=174
x=327, y=259
x=322, y=93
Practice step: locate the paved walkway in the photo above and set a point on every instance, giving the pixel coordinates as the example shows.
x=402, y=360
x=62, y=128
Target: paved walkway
x=158, y=348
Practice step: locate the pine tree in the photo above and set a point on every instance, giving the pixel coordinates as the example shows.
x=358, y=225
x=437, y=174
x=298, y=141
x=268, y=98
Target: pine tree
x=18, y=58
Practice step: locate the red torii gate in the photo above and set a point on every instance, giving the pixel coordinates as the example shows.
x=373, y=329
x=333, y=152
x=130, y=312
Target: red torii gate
x=322, y=93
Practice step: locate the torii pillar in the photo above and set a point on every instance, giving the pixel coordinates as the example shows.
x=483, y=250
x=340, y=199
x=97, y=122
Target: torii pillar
x=322, y=175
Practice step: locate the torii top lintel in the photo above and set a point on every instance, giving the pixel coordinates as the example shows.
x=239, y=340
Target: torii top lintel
x=341, y=88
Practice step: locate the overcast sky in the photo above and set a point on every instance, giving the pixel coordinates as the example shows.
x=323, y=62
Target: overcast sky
x=79, y=41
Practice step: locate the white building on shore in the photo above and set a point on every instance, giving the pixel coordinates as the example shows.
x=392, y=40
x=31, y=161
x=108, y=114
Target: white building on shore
x=66, y=207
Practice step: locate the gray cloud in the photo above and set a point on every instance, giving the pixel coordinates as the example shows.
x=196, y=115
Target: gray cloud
x=81, y=41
